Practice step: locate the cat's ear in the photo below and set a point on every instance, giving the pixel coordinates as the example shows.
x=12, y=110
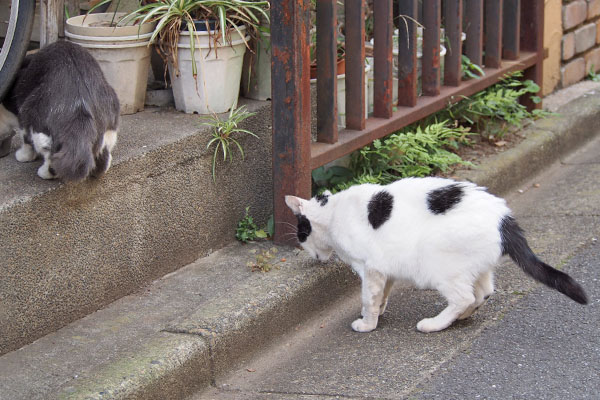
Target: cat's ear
x=295, y=204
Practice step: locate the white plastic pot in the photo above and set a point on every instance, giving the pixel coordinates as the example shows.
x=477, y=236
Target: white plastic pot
x=123, y=53
x=341, y=96
x=219, y=71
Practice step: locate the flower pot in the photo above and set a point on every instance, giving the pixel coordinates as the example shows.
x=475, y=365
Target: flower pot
x=341, y=95
x=256, y=75
x=340, y=68
x=122, y=52
x=219, y=69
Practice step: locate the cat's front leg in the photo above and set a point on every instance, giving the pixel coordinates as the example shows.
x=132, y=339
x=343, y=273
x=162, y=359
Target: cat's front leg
x=373, y=285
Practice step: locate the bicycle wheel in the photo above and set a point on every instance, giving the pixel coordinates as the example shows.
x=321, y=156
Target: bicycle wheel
x=16, y=41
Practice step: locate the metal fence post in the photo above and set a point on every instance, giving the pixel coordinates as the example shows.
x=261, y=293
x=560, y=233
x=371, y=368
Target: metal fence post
x=290, y=83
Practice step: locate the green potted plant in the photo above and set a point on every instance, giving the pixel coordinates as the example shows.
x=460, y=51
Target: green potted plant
x=203, y=42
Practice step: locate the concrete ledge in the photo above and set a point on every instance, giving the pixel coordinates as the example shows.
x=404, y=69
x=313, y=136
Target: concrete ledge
x=68, y=250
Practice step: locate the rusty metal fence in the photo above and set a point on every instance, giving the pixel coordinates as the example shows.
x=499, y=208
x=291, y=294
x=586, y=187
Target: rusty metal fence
x=502, y=36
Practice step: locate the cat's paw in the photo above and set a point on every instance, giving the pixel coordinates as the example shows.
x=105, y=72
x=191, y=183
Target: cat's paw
x=25, y=154
x=361, y=326
x=429, y=325
x=45, y=172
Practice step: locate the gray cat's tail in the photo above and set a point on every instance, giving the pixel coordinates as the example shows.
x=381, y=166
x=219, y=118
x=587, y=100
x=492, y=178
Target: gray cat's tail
x=73, y=156
x=515, y=245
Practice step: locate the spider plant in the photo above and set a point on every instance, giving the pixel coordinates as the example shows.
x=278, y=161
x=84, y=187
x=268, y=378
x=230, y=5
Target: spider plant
x=174, y=15
x=223, y=131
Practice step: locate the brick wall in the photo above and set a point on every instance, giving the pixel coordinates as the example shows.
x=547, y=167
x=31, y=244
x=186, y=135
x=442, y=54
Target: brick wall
x=580, y=44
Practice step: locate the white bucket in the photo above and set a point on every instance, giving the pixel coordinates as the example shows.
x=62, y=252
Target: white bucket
x=219, y=71
x=341, y=96
x=123, y=53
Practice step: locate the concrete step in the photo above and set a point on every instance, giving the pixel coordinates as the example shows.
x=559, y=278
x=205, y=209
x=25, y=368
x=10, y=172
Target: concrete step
x=176, y=334
x=69, y=249
x=187, y=329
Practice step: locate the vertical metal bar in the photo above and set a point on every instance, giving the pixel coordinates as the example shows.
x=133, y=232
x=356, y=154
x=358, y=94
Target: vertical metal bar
x=493, y=33
x=407, y=53
x=453, y=25
x=327, y=130
x=355, y=64
x=532, y=39
x=430, y=62
x=474, y=31
x=511, y=29
x=290, y=72
x=382, y=32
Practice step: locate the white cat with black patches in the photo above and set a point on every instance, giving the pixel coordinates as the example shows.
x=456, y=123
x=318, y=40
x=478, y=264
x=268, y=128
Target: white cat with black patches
x=436, y=233
x=65, y=111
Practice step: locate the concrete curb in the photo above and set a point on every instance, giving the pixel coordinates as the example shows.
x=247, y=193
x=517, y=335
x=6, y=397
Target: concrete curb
x=547, y=141
x=189, y=354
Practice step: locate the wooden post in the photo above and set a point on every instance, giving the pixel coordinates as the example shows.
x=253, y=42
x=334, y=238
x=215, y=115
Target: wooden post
x=51, y=13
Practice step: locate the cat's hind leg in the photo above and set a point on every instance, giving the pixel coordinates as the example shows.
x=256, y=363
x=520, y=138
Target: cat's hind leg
x=42, y=144
x=372, y=293
x=386, y=293
x=104, y=159
x=26, y=152
x=483, y=288
x=460, y=297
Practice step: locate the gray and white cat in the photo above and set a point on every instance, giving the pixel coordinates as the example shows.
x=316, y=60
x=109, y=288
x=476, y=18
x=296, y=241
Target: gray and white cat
x=433, y=232
x=67, y=113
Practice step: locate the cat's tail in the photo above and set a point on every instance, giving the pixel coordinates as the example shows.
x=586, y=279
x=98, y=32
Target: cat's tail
x=73, y=159
x=515, y=245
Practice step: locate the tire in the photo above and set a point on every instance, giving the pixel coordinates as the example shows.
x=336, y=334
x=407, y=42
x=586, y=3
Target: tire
x=16, y=41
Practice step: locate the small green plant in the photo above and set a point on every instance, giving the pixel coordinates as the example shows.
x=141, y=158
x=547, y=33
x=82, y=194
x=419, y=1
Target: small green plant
x=222, y=134
x=471, y=70
x=491, y=110
x=324, y=178
x=247, y=230
x=173, y=15
x=414, y=151
x=593, y=75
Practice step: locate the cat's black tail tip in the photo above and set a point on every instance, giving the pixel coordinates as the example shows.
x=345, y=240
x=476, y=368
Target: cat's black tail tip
x=576, y=292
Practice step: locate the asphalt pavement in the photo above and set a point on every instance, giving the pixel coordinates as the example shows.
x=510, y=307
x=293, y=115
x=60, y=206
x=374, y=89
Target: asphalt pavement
x=526, y=342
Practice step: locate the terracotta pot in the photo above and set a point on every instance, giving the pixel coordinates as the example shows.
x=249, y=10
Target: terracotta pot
x=341, y=68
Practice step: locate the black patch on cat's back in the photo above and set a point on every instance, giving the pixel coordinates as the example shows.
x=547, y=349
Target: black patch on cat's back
x=380, y=208
x=322, y=199
x=443, y=199
x=304, y=228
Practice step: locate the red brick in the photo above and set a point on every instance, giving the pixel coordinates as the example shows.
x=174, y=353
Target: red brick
x=585, y=38
x=572, y=72
x=574, y=14
x=568, y=46
x=593, y=9
x=592, y=60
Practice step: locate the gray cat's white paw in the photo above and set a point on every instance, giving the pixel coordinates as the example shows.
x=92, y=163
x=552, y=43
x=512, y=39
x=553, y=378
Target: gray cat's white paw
x=44, y=172
x=361, y=326
x=25, y=154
